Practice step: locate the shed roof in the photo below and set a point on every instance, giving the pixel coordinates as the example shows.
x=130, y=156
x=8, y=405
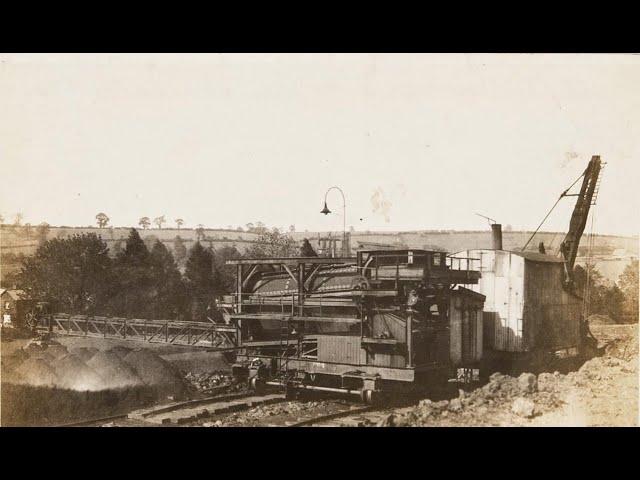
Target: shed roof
x=14, y=294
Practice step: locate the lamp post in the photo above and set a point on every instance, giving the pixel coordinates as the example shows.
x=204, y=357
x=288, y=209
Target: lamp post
x=326, y=211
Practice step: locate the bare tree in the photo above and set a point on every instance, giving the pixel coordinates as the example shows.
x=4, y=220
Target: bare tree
x=43, y=231
x=18, y=219
x=1, y=219
x=102, y=219
x=292, y=229
x=144, y=222
x=159, y=221
x=179, y=222
x=200, y=232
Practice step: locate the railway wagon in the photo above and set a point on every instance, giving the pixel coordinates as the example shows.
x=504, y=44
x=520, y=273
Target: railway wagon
x=383, y=321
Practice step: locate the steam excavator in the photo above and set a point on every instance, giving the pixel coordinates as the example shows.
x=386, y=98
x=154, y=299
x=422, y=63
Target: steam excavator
x=587, y=197
x=569, y=247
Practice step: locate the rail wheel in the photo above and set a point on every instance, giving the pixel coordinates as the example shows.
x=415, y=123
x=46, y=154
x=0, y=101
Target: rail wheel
x=290, y=392
x=371, y=397
x=256, y=384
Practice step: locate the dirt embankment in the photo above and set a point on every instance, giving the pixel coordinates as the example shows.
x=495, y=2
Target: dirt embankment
x=64, y=379
x=602, y=392
x=44, y=382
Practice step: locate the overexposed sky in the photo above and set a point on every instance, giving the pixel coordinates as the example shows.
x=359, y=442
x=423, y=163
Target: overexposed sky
x=415, y=141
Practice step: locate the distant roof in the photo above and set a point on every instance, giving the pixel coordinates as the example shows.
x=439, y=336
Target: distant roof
x=538, y=257
x=15, y=294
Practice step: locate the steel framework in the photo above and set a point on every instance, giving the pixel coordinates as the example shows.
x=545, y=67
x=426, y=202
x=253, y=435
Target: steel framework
x=197, y=334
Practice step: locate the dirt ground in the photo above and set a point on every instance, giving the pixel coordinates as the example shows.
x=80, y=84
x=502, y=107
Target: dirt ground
x=602, y=392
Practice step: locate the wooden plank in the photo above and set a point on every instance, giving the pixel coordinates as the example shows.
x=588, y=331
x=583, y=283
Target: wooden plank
x=380, y=341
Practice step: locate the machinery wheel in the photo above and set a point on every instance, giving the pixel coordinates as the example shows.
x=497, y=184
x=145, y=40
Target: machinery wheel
x=370, y=397
x=303, y=395
x=290, y=393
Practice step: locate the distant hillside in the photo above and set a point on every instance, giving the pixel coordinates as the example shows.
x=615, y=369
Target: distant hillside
x=611, y=253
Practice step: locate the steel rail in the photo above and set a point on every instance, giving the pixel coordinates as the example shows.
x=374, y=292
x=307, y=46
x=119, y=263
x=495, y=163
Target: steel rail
x=335, y=415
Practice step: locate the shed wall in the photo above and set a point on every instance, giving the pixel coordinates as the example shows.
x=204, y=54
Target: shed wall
x=551, y=314
x=502, y=283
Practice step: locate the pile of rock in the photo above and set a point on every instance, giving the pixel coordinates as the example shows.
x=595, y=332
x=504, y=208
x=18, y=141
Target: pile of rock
x=278, y=409
x=496, y=403
x=208, y=382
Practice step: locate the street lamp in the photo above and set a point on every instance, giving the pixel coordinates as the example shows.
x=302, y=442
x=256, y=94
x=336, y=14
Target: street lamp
x=326, y=211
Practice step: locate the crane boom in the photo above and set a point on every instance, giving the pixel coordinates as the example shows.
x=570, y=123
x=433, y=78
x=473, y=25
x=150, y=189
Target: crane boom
x=569, y=246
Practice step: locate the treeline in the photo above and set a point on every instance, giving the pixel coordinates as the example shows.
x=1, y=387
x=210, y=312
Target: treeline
x=618, y=301
x=78, y=276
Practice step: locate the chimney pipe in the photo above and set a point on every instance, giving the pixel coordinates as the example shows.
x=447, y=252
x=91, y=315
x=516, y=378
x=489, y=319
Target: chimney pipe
x=496, y=236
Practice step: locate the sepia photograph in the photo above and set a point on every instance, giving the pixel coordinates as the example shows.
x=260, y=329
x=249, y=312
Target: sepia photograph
x=226, y=240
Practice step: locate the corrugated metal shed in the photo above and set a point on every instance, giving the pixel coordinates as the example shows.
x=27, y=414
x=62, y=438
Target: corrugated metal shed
x=526, y=306
x=465, y=326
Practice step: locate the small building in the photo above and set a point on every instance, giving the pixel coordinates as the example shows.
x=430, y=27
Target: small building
x=334, y=246
x=12, y=306
x=526, y=306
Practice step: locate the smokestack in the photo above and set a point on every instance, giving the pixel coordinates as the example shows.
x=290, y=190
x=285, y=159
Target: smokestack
x=496, y=237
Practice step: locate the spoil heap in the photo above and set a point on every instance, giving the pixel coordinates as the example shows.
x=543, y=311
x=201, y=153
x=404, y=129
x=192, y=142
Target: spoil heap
x=74, y=374
x=36, y=372
x=85, y=353
x=156, y=372
x=11, y=362
x=121, y=351
x=624, y=347
x=115, y=372
x=57, y=350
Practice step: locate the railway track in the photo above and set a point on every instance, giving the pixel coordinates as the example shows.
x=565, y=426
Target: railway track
x=185, y=412
x=318, y=420
x=355, y=415
x=218, y=407
x=91, y=422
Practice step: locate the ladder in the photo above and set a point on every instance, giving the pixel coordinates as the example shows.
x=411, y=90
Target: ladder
x=598, y=181
x=283, y=367
x=586, y=295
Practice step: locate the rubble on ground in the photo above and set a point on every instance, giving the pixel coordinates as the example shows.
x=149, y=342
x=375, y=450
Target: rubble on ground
x=506, y=400
x=264, y=412
x=208, y=382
